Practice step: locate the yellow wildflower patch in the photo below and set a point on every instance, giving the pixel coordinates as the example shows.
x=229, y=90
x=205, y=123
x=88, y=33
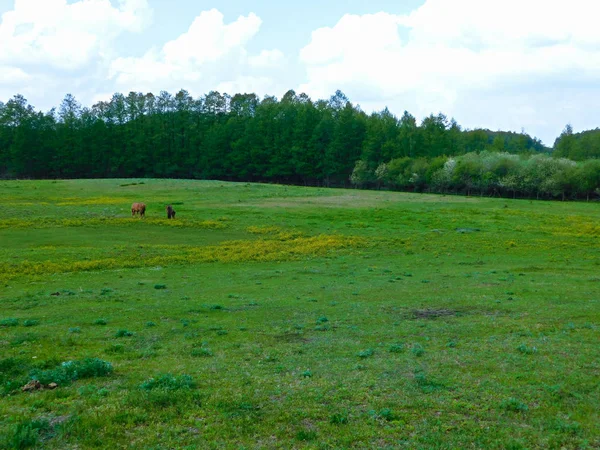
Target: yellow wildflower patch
x=277, y=232
x=575, y=226
x=106, y=221
x=228, y=252
x=264, y=230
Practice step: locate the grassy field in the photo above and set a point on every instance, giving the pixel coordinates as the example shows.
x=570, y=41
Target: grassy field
x=271, y=317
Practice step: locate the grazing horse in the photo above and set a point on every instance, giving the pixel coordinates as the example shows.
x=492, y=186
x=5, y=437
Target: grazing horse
x=170, y=212
x=138, y=208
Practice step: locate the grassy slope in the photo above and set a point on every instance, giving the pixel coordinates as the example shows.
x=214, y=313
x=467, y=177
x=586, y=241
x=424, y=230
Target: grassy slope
x=335, y=319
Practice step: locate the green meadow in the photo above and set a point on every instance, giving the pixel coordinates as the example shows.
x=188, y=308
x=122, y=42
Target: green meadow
x=268, y=316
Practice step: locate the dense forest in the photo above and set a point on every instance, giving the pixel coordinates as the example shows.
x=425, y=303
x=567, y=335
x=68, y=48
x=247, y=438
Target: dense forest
x=578, y=146
x=292, y=140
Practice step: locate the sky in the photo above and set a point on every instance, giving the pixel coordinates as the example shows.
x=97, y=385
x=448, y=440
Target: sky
x=531, y=65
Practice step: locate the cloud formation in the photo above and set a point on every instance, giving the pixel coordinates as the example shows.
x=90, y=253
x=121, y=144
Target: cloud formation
x=66, y=36
x=442, y=55
x=53, y=46
x=209, y=55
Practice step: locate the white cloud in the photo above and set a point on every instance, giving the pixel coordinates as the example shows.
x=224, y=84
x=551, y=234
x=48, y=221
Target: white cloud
x=209, y=55
x=66, y=36
x=209, y=39
x=267, y=58
x=50, y=47
x=12, y=75
x=11, y=78
x=507, y=23
x=445, y=53
x=353, y=35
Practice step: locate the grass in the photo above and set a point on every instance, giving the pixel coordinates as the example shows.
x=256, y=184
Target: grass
x=70, y=371
x=267, y=316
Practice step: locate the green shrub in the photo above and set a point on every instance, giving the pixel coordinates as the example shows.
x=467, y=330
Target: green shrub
x=10, y=322
x=418, y=350
x=366, y=353
x=384, y=414
x=387, y=414
x=514, y=405
x=339, y=419
x=396, y=348
x=306, y=435
x=526, y=350
x=27, y=433
x=168, y=382
x=124, y=333
x=70, y=371
x=202, y=352
x=566, y=427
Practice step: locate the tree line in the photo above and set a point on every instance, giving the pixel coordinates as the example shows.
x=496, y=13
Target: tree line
x=489, y=173
x=244, y=138
x=578, y=146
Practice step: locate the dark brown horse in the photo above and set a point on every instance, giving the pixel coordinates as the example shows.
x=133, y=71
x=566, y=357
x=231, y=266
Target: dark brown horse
x=170, y=212
x=138, y=208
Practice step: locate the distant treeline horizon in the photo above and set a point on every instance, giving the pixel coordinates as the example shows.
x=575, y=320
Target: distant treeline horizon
x=293, y=140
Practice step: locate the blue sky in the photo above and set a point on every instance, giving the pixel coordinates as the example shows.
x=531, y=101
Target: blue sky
x=286, y=23
x=498, y=64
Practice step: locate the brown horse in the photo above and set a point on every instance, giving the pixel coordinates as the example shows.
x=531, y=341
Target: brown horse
x=170, y=212
x=138, y=208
